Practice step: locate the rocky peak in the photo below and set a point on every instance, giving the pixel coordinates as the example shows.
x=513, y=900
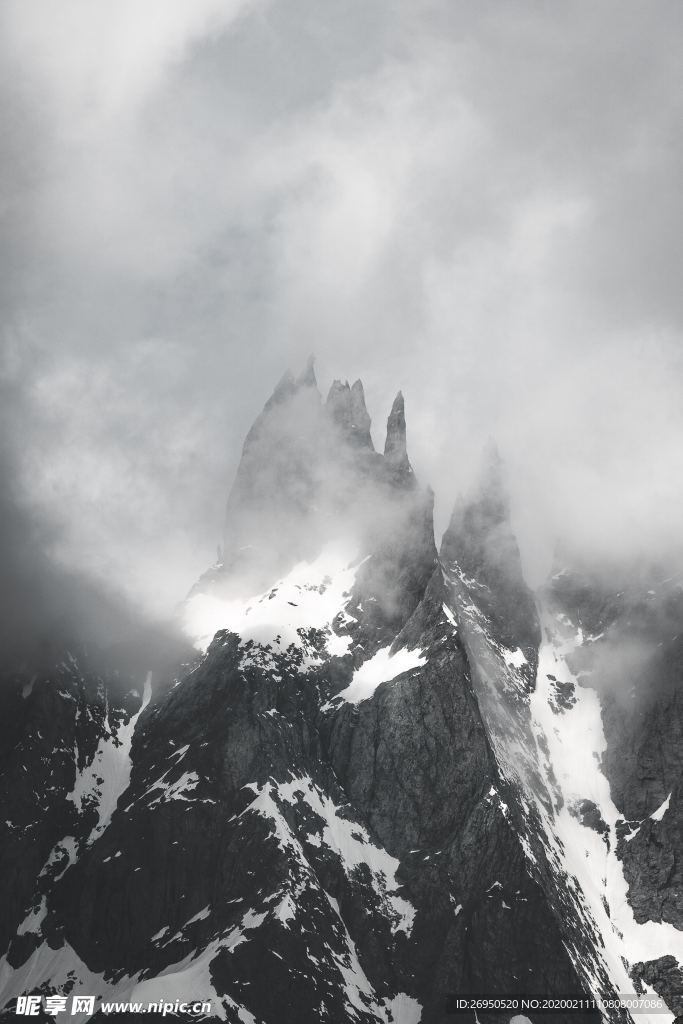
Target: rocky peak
x=492, y=490
x=480, y=540
x=346, y=406
x=395, y=450
x=308, y=470
x=289, y=384
x=307, y=378
x=299, y=396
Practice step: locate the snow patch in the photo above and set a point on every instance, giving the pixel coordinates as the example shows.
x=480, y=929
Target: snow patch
x=201, y=916
x=67, y=846
x=381, y=668
x=515, y=658
x=352, y=843
x=33, y=920
x=177, y=790
x=449, y=615
x=661, y=810
x=311, y=596
x=403, y=1009
x=107, y=776
x=285, y=910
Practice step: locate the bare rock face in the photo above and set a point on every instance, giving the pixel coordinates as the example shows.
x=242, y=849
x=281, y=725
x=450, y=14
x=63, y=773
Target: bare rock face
x=665, y=977
x=395, y=448
x=339, y=811
x=346, y=406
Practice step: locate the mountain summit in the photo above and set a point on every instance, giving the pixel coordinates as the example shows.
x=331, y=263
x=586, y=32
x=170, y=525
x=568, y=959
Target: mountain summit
x=383, y=783
x=309, y=471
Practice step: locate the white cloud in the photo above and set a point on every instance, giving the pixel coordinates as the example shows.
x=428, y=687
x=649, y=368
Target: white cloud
x=476, y=203
x=97, y=61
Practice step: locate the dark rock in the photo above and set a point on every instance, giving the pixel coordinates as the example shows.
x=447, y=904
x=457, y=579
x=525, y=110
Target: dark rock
x=395, y=449
x=589, y=815
x=665, y=977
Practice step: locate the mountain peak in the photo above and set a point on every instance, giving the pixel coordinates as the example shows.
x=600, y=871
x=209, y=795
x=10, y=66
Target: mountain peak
x=480, y=540
x=492, y=488
x=395, y=450
x=289, y=385
x=306, y=466
x=284, y=386
x=295, y=398
x=346, y=406
x=307, y=378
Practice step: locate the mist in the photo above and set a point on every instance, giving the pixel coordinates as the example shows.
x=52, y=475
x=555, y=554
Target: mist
x=476, y=203
x=49, y=608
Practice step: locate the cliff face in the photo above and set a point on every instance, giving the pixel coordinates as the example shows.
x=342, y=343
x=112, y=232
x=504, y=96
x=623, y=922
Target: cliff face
x=358, y=800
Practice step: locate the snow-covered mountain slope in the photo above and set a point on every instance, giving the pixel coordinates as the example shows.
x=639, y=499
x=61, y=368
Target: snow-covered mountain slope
x=585, y=820
x=361, y=798
x=312, y=596
x=610, y=673
x=545, y=710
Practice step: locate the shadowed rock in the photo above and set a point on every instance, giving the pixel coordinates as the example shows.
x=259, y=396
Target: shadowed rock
x=395, y=450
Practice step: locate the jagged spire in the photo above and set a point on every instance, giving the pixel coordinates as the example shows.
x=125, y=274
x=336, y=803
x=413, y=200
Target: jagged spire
x=288, y=384
x=284, y=387
x=361, y=417
x=395, y=450
x=492, y=489
x=306, y=378
x=346, y=406
x=286, y=390
x=480, y=543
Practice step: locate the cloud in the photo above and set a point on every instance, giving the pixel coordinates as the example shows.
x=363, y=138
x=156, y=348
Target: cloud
x=47, y=608
x=475, y=203
x=96, y=62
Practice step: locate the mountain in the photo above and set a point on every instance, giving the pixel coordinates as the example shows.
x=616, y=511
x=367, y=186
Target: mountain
x=391, y=776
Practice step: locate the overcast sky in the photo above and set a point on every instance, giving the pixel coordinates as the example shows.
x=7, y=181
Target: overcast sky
x=479, y=203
